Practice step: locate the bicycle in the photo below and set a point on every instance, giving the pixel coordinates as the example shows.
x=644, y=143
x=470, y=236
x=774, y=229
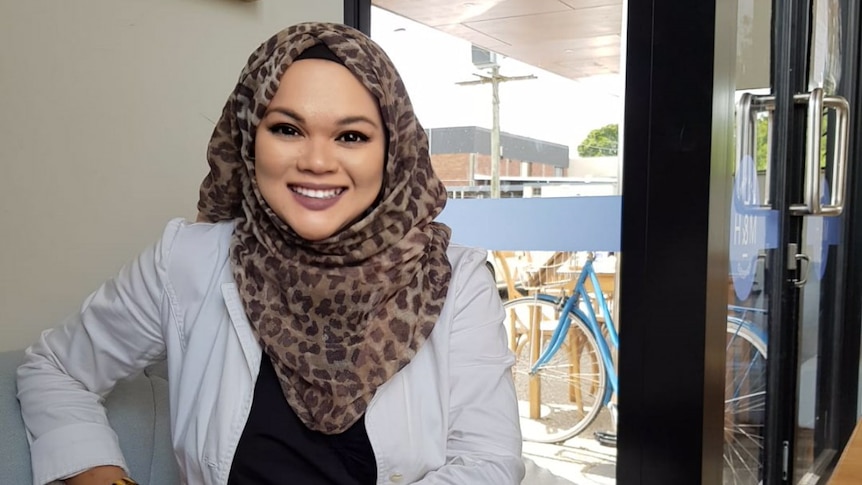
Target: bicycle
x=745, y=396
x=561, y=393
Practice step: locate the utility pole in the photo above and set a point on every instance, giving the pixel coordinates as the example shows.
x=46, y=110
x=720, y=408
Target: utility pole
x=495, y=79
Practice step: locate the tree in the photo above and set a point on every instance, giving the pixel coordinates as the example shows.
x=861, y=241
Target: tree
x=601, y=142
x=762, y=141
x=762, y=130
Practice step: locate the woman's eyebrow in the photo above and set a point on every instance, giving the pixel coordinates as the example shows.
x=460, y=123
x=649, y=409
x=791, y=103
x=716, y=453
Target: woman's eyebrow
x=347, y=120
x=286, y=112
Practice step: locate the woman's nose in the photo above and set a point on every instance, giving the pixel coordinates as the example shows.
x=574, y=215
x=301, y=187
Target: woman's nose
x=317, y=157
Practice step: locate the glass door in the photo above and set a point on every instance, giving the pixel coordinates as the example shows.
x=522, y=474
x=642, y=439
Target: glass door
x=788, y=212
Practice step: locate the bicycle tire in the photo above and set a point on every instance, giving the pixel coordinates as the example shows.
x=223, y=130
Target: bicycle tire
x=745, y=404
x=572, y=390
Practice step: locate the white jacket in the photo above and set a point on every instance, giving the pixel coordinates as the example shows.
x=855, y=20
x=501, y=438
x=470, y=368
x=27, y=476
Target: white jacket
x=449, y=417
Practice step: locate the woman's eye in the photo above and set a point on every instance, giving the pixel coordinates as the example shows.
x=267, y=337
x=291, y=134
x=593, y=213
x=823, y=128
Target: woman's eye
x=282, y=129
x=353, y=137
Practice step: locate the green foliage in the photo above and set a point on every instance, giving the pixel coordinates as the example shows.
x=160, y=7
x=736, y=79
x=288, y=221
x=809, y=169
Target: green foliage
x=763, y=143
x=601, y=142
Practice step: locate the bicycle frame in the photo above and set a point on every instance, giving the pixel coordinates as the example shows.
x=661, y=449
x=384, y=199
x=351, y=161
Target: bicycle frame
x=587, y=314
x=580, y=304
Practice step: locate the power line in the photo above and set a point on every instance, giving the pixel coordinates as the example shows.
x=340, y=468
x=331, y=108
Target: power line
x=494, y=80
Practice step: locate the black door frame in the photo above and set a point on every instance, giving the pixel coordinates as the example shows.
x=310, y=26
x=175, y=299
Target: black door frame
x=840, y=336
x=677, y=149
x=357, y=14
x=788, y=76
x=839, y=326
x=847, y=337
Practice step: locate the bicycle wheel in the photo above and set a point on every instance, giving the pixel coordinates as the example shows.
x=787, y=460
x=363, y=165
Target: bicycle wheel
x=744, y=404
x=568, y=392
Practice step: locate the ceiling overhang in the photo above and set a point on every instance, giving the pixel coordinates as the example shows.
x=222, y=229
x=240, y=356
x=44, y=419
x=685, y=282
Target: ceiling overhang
x=572, y=38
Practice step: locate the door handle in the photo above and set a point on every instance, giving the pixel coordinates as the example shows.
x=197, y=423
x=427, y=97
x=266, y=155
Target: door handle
x=746, y=136
x=795, y=261
x=812, y=204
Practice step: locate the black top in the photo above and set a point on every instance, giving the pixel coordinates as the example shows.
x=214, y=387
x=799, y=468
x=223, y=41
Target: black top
x=276, y=448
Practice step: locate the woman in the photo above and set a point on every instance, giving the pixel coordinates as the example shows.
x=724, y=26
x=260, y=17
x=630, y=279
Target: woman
x=318, y=326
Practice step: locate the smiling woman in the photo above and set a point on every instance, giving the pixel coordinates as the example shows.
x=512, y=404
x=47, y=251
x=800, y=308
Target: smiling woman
x=314, y=298
x=320, y=148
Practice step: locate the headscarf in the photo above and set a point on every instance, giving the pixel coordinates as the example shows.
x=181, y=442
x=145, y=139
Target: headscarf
x=337, y=317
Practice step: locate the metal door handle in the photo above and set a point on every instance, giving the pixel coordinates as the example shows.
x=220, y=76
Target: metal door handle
x=746, y=135
x=794, y=263
x=803, y=273
x=812, y=205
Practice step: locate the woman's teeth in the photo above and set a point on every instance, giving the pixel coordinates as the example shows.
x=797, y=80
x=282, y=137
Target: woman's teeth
x=316, y=193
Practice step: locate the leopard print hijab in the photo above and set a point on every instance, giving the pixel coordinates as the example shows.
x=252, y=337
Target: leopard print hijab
x=337, y=317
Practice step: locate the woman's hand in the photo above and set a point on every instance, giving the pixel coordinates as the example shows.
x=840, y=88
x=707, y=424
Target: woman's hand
x=100, y=475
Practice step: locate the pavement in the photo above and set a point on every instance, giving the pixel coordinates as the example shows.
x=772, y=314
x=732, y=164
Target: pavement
x=581, y=460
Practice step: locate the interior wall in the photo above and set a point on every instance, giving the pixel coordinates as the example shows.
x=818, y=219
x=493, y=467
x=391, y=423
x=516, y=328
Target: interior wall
x=106, y=107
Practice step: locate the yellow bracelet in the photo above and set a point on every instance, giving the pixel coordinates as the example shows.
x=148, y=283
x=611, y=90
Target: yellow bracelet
x=125, y=481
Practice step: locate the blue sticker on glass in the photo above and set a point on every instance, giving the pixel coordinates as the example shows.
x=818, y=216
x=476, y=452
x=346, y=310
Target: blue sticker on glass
x=747, y=228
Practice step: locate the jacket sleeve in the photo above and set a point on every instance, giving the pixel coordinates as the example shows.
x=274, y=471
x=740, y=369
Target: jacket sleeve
x=484, y=437
x=69, y=370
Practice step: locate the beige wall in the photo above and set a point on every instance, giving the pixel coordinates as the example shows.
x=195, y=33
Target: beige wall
x=106, y=107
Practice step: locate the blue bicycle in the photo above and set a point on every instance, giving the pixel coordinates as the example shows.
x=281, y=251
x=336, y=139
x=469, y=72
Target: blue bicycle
x=566, y=381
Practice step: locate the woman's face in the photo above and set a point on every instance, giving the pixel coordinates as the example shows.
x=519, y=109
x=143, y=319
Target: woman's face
x=320, y=149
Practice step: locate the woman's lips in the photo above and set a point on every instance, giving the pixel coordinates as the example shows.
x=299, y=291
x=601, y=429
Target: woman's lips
x=316, y=198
